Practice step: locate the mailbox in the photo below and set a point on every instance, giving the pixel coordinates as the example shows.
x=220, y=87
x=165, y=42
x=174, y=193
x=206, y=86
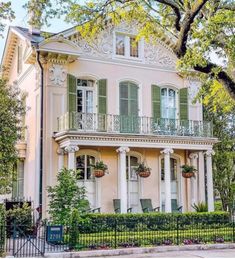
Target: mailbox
x=54, y=233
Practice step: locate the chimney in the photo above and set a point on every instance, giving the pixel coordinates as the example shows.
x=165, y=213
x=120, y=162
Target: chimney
x=34, y=25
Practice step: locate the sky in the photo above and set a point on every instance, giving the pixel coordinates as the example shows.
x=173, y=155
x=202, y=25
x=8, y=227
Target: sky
x=21, y=20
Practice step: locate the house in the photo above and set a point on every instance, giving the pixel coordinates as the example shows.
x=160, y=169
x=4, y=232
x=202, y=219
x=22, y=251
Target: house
x=115, y=100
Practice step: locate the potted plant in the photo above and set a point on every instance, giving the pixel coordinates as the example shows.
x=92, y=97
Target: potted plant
x=143, y=171
x=188, y=171
x=99, y=169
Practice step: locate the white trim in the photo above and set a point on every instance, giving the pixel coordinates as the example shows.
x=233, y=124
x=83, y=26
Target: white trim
x=179, y=177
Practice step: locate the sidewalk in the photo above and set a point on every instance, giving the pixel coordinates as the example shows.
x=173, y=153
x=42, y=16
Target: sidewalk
x=204, y=251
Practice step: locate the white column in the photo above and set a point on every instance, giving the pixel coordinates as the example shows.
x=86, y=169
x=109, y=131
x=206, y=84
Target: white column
x=60, y=153
x=122, y=177
x=201, y=176
x=71, y=155
x=210, y=192
x=194, y=186
x=167, y=181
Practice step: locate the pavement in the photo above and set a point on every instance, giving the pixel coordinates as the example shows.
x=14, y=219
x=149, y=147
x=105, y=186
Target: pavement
x=216, y=253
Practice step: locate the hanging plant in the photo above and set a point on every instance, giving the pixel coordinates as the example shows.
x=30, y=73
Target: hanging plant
x=188, y=171
x=143, y=171
x=100, y=169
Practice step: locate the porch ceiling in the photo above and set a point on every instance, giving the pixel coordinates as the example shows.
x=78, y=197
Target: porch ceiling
x=147, y=141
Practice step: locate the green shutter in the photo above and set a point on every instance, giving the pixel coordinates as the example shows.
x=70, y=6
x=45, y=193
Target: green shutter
x=72, y=93
x=156, y=101
x=102, y=96
x=183, y=99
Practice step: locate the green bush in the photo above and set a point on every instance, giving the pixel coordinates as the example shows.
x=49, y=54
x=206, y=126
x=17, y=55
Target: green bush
x=218, y=206
x=2, y=229
x=73, y=229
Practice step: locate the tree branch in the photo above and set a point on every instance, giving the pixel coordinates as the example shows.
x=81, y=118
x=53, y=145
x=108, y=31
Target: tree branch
x=176, y=10
x=181, y=45
x=223, y=77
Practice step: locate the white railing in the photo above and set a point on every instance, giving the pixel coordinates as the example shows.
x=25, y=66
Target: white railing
x=92, y=122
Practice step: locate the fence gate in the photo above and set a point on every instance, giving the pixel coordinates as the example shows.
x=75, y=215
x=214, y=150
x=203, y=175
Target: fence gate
x=25, y=241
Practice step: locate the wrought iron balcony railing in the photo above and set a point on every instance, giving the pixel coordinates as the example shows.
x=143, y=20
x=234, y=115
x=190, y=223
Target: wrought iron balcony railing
x=92, y=122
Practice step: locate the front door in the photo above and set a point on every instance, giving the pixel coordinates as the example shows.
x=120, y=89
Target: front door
x=132, y=183
x=129, y=121
x=86, y=178
x=174, y=184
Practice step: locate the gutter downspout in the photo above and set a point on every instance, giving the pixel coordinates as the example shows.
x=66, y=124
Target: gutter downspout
x=41, y=133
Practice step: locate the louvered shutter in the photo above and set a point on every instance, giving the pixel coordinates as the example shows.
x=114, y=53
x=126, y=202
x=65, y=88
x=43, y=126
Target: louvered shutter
x=183, y=99
x=102, y=96
x=156, y=101
x=72, y=99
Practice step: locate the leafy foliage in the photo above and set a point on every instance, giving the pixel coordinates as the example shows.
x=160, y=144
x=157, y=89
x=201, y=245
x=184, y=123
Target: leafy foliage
x=66, y=196
x=6, y=13
x=200, y=207
x=142, y=168
x=73, y=229
x=188, y=169
x=195, y=30
x=11, y=111
x=100, y=166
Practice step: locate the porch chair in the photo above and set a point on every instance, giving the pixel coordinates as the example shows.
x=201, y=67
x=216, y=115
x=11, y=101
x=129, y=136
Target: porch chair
x=88, y=209
x=146, y=205
x=175, y=207
x=117, y=206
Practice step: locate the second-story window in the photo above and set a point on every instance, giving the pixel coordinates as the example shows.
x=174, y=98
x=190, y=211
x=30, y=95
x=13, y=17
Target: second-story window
x=85, y=96
x=168, y=103
x=127, y=46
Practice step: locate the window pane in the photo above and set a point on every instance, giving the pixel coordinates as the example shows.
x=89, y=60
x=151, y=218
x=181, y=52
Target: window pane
x=79, y=101
x=120, y=44
x=173, y=165
x=81, y=166
x=134, y=47
x=90, y=162
x=89, y=101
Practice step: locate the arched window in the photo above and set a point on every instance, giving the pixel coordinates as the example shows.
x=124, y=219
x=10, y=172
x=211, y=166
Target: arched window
x=173, y=168
x=84, y=165
x=85, y=95
x=168, y=103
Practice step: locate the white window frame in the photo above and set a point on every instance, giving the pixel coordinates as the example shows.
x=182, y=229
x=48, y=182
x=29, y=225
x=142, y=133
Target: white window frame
x=88, y=88
x=127, y=47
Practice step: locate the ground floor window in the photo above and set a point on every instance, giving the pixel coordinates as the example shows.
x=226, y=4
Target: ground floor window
x=18, y=183
x=173, y=168
x=84, y=165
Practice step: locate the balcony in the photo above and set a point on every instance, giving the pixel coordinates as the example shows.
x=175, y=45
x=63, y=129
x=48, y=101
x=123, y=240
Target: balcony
x=119, y=124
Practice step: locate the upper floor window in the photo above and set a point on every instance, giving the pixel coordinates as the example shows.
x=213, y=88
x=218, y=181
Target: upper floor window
x=127, y=46
x=19, y=59
x=168, y=103
x=85, y=95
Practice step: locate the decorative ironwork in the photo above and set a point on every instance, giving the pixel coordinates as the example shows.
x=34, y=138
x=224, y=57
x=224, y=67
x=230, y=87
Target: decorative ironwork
x=92, y=122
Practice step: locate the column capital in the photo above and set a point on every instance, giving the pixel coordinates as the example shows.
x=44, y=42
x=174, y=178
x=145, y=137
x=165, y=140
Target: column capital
x=123, y=150
x=167, y=151
x=71, y=149
x=60, y=151
x=193, y=156
x=209, y=152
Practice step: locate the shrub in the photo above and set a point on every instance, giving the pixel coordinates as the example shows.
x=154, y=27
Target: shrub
x=200, y=207
x=2, y=229
x=73, y=229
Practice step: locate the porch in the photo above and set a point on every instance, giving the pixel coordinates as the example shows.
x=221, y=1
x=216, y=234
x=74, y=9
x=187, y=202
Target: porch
x=118, y=151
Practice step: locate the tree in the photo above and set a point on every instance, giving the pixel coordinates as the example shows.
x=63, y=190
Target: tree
x=194, y=29
x=6, y=13
x=222, y=114
x=66, y=196
x=11, y=111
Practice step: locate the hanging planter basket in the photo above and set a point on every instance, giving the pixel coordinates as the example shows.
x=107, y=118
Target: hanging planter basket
x=99, y=173
x=144, y=174
x=188, y=174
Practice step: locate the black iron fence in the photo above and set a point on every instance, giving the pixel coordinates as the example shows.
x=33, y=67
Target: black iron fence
x=116, y=232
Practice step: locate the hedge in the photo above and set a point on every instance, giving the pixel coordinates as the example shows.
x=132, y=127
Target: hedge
x=2, y=229
x=93, y=223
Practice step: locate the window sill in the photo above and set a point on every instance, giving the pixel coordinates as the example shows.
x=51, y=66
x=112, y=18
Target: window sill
x=119, y=57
